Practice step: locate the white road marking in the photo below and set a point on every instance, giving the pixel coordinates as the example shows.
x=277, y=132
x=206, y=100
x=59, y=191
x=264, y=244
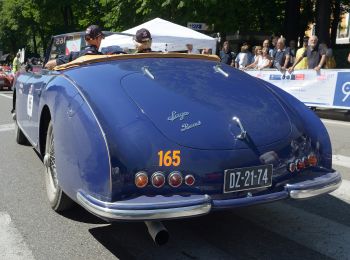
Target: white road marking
x=335, y=122
x=6, y=96
x=341, y=160
x=343, y=192
x=7, y=127
x=313, y=231
x=12, y=245
x=310, y=230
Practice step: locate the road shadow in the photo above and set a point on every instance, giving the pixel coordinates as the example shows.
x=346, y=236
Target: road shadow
x=326, y=206
x=79, y=214
x=219, y=235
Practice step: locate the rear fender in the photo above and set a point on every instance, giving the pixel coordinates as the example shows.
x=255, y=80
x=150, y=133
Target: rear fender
x=310, y=122
x=82, y=155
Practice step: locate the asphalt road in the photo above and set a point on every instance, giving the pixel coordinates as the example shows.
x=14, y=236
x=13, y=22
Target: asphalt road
x=318, y=228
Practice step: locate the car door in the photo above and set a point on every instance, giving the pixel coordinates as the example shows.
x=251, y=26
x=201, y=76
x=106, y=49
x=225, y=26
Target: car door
x=22, y=90
x=34, y=86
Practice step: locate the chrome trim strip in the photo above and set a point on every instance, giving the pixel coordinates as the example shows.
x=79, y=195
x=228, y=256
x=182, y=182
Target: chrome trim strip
x=133, y=214
x=98, y=123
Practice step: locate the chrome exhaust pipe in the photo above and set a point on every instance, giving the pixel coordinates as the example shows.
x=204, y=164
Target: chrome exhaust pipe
x=158, y=232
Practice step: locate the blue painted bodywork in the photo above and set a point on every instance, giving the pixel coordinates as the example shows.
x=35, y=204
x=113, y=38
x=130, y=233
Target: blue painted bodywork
x=111, y=120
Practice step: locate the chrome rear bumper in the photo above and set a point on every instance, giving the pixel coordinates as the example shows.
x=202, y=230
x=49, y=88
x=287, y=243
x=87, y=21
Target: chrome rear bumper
x=307, y=189
x=171, y=207
x=150, y=209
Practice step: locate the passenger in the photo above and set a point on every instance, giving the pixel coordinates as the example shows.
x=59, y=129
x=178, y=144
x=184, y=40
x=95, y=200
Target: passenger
x=93, y=38
x=143, y=41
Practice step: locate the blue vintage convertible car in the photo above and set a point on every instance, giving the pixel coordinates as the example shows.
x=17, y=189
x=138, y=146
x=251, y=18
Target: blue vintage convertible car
x=155, y=136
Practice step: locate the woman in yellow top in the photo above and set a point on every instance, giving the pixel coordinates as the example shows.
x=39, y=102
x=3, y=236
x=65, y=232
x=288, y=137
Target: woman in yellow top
x=302, y=65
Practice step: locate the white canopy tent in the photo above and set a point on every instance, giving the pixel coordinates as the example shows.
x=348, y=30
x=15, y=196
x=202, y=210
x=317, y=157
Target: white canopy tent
x=166, y=36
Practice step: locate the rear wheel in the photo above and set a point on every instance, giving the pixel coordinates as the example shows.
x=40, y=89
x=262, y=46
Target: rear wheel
x=59, y=201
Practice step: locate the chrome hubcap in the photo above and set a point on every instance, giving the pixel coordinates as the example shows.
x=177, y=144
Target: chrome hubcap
x=50, y=163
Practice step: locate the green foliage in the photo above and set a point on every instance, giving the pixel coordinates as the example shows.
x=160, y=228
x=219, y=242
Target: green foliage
x=30, y=24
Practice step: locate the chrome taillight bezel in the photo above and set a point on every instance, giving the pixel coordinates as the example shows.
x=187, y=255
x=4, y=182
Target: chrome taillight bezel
x=187, y=177
x=157, y=174
x=143, y=173
x=171, y=175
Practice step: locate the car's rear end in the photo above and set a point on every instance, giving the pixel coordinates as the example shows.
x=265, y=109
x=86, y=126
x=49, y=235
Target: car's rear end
x=187, y=136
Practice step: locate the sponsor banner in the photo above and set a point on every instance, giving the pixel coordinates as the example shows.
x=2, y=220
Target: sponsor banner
x=327, y=88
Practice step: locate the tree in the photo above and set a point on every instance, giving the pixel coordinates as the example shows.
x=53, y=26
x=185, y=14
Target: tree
x=291, y=19
x=323, y=16
x=30, y=24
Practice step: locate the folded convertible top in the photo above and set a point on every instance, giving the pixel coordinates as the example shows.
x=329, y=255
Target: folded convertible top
x=87, y=59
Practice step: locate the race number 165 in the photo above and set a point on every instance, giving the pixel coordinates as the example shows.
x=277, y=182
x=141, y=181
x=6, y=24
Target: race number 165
x=168, y=158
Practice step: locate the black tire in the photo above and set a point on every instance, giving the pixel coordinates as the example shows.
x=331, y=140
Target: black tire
x=58, y=200
x=20, y=137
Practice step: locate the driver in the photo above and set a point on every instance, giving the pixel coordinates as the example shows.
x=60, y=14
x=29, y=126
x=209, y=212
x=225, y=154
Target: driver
x=93, y=38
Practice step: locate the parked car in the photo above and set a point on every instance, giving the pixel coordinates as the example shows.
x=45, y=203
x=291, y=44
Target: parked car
x=155, y=136
x=6, y=79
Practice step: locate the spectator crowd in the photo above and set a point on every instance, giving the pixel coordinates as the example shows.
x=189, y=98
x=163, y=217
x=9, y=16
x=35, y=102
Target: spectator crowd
x=280, y=55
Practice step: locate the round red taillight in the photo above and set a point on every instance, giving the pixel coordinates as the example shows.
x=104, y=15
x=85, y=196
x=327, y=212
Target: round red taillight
x=292, y=167
x=158, y=179
x=141, y=179
x=306, y=162
x=312, y=160
x=189, y=180
x=300, y=164
x=175, y=179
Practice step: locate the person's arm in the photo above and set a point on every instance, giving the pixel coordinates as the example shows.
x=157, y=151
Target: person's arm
x=62, y=59
x=349, y=57
x=286, y=61
x=50, y=64
x=322, y=61
x=252, y=65
x=295, y=63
